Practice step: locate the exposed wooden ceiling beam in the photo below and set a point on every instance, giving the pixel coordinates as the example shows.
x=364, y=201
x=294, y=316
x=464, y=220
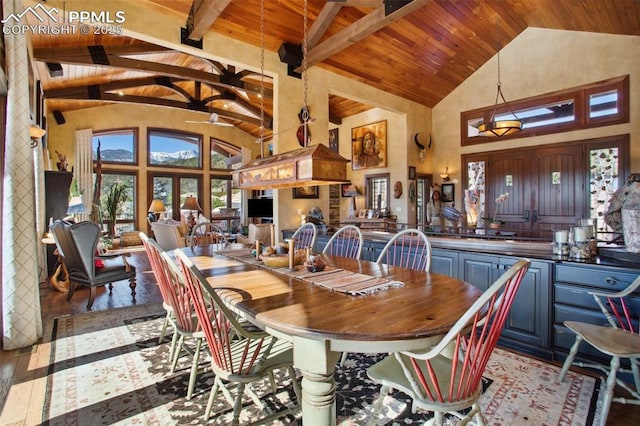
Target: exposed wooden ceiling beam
x=319, y=27
x=105, y=91
x=202, y=16
x=359, y=30
x=358, y=3
x=109, y=58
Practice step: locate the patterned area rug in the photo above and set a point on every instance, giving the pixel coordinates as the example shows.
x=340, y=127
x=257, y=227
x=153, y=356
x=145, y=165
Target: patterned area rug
x=108, y=368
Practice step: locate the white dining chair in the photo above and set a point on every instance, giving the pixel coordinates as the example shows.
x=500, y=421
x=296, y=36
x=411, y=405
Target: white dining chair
x=305, y=236
x=346, y=242
x=409, y=248
x=447, y=376
x=619, y=338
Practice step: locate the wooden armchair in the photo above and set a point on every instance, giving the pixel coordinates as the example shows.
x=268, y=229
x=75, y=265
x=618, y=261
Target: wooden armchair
x=77, y=245
x=447, y=377
x=619, y=338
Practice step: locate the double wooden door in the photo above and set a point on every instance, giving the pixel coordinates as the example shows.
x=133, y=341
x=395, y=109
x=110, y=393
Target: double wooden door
x=546, y=187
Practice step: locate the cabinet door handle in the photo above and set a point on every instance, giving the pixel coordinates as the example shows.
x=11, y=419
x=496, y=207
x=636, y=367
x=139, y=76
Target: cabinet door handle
x=535, y=216
x=612, y=281
x=526, y=215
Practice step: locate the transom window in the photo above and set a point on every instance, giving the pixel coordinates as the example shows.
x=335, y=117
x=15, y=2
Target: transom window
x=169, y=148
x=117, y=146
x=597, y=104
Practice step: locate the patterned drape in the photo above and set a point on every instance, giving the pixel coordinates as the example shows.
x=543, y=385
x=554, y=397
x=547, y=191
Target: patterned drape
x=83, y=171
x=21, y=316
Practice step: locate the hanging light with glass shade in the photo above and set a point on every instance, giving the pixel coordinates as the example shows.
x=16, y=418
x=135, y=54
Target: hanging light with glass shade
x=504, y=124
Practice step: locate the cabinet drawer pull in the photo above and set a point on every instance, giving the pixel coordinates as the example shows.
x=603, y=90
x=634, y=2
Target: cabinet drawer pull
x=611, y=281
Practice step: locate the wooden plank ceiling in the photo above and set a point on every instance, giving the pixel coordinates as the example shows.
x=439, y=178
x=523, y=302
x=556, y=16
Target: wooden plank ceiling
x=420, y=50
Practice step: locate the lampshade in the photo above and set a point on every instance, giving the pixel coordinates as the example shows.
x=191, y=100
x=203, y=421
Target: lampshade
x=191, y=203
x=157, y=206
x=76, y=206
x=36, y=131
x=494, y=127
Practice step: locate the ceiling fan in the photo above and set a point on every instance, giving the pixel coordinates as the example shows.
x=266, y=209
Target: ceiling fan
x=213, y=119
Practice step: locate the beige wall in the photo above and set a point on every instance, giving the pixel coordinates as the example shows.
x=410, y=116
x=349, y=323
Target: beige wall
x=539, y=61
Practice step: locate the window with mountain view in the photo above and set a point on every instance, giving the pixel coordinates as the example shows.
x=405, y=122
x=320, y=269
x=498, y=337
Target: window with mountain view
x=169, y=148
x=116, y=146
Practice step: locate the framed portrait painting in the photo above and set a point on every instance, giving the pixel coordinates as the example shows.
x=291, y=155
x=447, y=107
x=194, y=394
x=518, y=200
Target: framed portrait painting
x=369, y=146
x=306, y=192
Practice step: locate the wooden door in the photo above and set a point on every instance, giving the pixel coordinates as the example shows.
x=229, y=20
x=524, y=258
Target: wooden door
x=510, y=173
x=557, y=197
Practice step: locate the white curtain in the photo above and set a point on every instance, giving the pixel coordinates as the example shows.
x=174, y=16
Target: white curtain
x=83, y=170
x=42, y=226
x=21, y=315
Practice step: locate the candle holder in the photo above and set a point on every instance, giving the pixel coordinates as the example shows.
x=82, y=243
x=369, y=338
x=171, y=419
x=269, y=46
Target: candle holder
x=580, y=242
x=561, y=244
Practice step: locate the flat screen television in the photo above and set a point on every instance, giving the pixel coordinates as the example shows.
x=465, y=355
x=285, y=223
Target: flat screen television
x=260, y=207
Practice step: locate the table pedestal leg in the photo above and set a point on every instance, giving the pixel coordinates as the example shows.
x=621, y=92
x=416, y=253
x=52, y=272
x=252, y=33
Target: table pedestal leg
x=317, y=363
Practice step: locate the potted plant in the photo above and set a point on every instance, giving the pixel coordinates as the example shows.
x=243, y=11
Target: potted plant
x=112, y=204
x=494, y=222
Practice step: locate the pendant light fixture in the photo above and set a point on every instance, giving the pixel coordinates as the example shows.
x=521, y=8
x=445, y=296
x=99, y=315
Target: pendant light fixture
x=309, y=165
x=494, y=127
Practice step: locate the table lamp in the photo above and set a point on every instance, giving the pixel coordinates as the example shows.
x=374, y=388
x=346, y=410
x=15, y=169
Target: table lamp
x=191, y=204
x=157, y=207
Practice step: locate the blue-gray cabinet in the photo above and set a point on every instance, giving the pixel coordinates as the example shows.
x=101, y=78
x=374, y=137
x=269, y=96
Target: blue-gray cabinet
x=572, y=302
x=528, y=325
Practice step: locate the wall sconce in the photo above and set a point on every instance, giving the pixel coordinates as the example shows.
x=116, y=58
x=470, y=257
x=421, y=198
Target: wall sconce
x=445, y=176
x=36, y=132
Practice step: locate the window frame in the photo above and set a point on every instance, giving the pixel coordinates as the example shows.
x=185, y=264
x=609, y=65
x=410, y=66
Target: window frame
x=134, y=130
x=580, y=96
x=134, y=202
x=369, y=199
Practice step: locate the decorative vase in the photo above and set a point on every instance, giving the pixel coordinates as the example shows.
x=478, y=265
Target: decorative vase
x=631, y=229
x=495, y=225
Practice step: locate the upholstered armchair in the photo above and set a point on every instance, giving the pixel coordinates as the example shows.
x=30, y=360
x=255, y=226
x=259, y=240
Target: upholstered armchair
x=77, y=245
x=168, y=235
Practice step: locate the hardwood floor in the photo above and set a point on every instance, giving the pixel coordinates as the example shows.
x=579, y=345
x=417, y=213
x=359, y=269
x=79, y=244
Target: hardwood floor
x=23, y=372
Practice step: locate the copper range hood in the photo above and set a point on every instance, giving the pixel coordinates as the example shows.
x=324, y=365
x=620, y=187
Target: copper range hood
x=312, y=165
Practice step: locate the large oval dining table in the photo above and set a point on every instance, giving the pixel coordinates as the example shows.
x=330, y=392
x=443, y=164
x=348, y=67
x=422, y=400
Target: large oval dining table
x=322, y=321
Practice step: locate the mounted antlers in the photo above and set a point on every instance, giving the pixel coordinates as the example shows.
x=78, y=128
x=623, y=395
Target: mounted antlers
x=421, y=146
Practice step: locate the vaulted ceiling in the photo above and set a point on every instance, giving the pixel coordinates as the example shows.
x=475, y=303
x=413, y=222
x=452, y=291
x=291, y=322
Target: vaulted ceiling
x=417, y=49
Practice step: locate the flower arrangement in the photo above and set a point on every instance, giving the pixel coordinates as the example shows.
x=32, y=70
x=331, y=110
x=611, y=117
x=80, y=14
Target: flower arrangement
x=501, y=199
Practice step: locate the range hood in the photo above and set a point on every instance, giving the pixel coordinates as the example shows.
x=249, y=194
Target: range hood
x=312, y=165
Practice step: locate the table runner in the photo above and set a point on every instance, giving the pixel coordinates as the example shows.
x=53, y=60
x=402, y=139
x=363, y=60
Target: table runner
x=335, y=279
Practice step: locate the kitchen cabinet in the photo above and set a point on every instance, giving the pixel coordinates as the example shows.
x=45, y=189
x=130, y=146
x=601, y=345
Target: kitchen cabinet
x=444, y=262
x=528, y=324
x=572, y=302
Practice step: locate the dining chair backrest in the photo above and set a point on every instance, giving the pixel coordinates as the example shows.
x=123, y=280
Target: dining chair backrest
x=621, y=309
x=222, y=329
x=409, y=248
x=346, y=242
x=305, y=236
x=207, y=234
x=153, y=250
x=467, y=346
x=172, y=288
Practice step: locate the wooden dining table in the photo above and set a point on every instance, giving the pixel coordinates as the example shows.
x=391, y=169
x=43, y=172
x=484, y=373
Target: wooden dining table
x=321, y=323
